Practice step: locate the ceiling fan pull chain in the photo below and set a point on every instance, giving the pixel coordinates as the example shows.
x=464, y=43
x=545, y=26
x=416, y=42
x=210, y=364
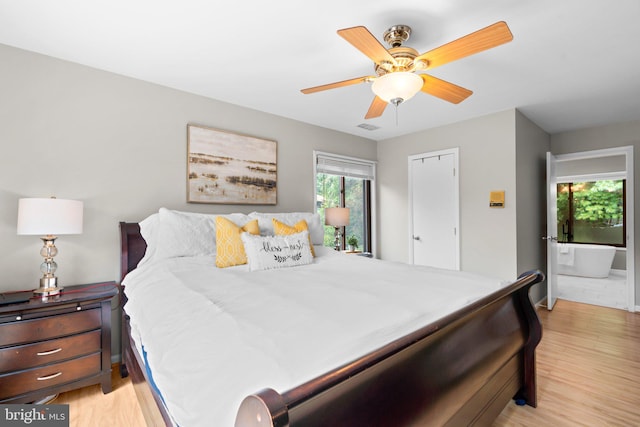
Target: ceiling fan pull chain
x=396, y=102
x=396, y=115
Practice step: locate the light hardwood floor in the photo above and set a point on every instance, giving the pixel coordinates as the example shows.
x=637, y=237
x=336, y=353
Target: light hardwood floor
x=88, y=407
x=588, y=375
x=588, y=369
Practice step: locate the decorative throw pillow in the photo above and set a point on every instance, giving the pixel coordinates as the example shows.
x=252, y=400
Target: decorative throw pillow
x=229, y=244
x=269, y=252
x=282, y=229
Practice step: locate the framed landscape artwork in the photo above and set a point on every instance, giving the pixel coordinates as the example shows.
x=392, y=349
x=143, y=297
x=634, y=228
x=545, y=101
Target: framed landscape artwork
x=228, y=168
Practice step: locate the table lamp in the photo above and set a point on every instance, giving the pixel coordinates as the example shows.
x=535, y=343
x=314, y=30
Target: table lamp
x=338, y=218
x=49, y=218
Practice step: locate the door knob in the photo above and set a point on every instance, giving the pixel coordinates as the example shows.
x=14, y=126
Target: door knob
x=416, y=238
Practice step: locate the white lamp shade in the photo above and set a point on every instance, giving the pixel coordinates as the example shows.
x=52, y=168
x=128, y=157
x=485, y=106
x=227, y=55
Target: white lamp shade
x=336, y=217
x=49, y=216
x=402, y=85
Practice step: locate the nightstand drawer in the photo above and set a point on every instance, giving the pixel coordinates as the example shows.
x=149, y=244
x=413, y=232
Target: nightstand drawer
x=30, y=355
x=26, y=331
x=48, y=376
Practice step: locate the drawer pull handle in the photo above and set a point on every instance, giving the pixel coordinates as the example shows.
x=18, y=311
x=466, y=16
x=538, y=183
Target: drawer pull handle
x=49, y=377
x=46, y=353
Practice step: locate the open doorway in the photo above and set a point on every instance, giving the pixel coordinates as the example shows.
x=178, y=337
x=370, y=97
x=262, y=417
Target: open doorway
x=590, y=228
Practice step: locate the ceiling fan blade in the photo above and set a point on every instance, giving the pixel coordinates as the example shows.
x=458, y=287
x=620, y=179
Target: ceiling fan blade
x=376, y=109
x=486, y=38
x=444, y=90
x=336, y=84
x=366, y=43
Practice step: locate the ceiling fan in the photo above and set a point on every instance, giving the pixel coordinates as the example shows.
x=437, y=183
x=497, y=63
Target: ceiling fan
x=396, y=79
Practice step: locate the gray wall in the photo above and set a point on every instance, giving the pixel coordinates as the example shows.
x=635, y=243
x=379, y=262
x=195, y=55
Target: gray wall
x=119, y=145
x=487, y=152
x=532, y=144
x=595, y=138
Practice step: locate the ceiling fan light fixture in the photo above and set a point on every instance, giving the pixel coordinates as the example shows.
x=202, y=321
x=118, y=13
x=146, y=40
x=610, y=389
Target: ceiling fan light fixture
x=398, y=87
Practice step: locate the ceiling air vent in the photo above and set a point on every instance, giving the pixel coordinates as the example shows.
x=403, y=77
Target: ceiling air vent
x=367, y=126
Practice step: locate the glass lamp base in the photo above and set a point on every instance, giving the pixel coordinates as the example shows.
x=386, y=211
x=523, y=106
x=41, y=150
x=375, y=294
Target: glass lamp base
x=48, y=287
x=48, y=282
x=337, y=241
x=47, y=292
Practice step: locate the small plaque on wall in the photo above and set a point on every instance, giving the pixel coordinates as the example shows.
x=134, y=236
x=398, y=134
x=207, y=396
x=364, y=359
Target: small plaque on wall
x=496, y=199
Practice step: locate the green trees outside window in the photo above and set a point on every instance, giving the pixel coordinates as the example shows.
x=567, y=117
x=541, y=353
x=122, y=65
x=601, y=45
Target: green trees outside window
x=341, y=191
x=592, y=212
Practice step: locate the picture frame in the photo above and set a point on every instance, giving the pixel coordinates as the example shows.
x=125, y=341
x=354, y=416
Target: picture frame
x=229, y=168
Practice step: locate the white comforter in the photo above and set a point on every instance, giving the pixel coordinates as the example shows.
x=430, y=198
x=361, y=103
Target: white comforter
x=214, y=336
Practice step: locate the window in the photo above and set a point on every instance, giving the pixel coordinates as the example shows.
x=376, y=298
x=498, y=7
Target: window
x=346, y=182
x=592, y=212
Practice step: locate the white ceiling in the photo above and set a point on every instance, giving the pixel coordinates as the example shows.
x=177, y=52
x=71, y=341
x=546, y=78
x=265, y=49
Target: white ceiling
x=571, y=64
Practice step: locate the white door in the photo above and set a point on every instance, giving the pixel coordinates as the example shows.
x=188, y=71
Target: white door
x=433, y=196
x=552, y=231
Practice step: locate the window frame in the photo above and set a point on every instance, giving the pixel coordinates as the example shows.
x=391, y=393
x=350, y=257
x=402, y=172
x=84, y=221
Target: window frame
x=368, y=192
x=606, y=176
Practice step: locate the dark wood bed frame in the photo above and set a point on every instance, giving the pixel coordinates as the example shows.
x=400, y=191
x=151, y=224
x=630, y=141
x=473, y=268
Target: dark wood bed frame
x=460, y=370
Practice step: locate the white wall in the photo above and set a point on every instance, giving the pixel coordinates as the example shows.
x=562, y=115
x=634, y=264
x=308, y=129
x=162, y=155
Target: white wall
x=487, y=163
x=608, y=136
x=119, y=145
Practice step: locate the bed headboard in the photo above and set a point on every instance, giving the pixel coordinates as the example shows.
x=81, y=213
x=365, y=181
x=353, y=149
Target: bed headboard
x=132, y=247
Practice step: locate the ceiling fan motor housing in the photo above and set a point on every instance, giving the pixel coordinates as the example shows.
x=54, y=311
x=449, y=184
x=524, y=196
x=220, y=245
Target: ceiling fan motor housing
x=404, y=61
x=404, y=56
x=397, y=35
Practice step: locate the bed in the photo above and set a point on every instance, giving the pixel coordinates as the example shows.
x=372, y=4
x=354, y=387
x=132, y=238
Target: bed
x=456, y=364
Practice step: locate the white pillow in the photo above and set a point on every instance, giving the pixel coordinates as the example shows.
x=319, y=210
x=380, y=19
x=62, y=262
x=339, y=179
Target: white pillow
x=269, y=252
x=316, y=229
x=183, y=234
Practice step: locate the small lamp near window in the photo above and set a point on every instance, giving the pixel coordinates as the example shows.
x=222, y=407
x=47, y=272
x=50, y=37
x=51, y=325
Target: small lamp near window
x=48, y=218
x=337, y=218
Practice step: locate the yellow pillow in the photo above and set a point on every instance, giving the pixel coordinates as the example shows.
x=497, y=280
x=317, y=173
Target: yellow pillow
x=282, y=229
x=230, y=249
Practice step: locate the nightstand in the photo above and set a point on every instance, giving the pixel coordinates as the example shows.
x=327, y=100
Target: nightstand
x=56, y=345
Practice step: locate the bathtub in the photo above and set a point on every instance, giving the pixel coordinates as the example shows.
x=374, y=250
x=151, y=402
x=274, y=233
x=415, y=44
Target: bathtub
x=585, y=260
